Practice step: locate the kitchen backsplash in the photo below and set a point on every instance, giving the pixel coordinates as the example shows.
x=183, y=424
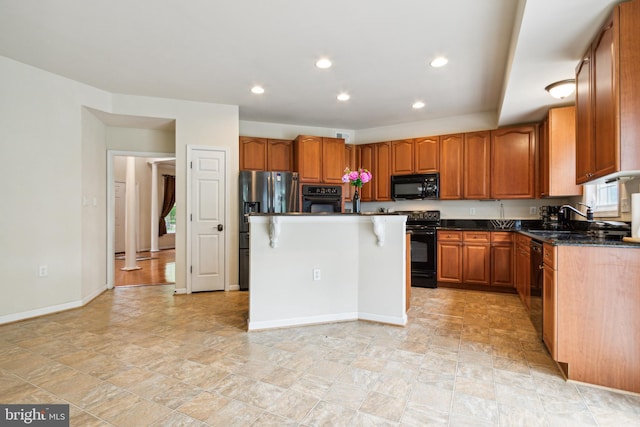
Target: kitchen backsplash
x=471, y=209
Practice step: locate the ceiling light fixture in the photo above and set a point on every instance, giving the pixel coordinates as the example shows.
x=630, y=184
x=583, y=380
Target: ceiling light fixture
x=323, y=63
x=438, y=62
x=561, y=89
x=258, y=90
x=418, y=104
x=343, y=97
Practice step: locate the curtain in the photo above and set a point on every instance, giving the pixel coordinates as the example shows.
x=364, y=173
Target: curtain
x=168, y=202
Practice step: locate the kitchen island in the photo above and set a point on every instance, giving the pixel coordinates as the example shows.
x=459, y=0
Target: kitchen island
x=317, y=268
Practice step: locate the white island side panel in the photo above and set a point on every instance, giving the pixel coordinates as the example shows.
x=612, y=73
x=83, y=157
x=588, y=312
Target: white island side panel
x=354, y=283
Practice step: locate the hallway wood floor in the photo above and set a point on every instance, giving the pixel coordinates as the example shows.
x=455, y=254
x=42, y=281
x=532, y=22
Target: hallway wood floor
x=160, y=269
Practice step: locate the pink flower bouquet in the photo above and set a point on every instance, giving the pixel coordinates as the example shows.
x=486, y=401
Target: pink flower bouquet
x=356, y=178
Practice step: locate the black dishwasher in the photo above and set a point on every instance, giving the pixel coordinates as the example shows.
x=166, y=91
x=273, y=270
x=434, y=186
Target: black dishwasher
x=536, y=285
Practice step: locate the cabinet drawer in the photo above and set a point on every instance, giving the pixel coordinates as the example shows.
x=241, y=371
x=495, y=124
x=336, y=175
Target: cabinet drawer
x=501, y=237
x=549, y=255
x=450, y=236
x=476, y=236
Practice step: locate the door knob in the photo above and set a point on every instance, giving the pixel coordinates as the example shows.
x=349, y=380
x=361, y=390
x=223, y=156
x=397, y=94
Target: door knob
x=220, y=227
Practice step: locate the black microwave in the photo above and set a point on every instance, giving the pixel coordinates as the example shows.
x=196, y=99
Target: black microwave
x=411, y=187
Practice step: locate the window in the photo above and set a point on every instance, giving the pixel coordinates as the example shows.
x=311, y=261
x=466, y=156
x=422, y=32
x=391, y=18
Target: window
x=170, y=220
x=603, y=199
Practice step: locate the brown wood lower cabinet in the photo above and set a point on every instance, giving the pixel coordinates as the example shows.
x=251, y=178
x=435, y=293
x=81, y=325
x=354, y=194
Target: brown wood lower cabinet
x=594, y=301
x=549, y=298
x=523, y=269
x=481, y=258
x=450, y=256
x=476, y=253
x=502, y=259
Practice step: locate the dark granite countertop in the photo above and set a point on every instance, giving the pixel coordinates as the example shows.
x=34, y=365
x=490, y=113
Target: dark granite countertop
x=575, y=236
x=324, y=214
x=577, y=239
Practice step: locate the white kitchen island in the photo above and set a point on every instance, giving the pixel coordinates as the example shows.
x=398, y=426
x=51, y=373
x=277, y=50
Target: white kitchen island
x=358, y=260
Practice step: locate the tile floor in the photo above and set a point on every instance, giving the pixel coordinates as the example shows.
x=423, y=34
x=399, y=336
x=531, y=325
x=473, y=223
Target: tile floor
x=142, y=356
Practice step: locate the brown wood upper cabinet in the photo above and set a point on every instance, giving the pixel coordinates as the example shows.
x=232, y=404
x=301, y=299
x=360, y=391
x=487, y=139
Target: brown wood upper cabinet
x=265, y=154
x=513, y=162
x=366, y=155
x=253, y=153
x=319, y=159
x=351, y=159
x=464, y=166
x=477, y=162
x=608, y=98
x=558, y=153
x=426, y=154
x=279, y=155
x=451, y=166
x=402, y=153
x=382, y=168
x=419, y=155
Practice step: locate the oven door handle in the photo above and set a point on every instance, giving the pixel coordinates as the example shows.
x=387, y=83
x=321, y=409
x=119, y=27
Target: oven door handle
x=423, y=232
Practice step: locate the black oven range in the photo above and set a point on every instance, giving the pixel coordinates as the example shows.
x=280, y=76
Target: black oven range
x=422, y=225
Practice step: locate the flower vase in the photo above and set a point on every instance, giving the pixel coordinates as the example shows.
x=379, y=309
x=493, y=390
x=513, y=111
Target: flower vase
x=356, y=202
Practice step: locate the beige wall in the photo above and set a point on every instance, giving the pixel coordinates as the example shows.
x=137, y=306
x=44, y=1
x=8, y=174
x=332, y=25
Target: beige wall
x=54, y=157
x=44, y=220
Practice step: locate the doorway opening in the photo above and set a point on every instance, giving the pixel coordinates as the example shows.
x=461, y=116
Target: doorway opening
x=156, y=268
x=143, y=251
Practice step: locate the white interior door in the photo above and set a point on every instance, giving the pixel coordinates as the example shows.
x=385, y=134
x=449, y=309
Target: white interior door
x=207, y=215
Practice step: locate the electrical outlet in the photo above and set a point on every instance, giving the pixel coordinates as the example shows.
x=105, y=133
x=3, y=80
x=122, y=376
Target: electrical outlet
x=472, y=211
x=533, y=210
x=43, y=271
x=316, y=274
x=624, y=205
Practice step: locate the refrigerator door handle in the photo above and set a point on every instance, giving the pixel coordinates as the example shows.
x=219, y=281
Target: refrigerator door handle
x=270, y=195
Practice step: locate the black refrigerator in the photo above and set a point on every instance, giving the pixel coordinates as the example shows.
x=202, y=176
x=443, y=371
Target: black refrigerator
x=262, y=192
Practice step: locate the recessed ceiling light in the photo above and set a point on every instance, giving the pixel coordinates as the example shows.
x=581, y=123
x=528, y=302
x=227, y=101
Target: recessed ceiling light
x=418, y=104
x=438, y=62
x=343, y=96
x=257, y=90
x=323, y=63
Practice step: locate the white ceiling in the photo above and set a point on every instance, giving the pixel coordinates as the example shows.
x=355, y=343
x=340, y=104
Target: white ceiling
x=502, y=53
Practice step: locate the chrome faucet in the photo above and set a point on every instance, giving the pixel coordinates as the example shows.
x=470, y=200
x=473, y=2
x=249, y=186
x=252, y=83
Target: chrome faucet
x=588, y=215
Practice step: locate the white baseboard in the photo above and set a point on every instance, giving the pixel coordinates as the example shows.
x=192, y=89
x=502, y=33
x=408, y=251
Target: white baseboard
x=180, y=291
x=299, y=321
x=86, y=300
x=391, y=320
x=234, y=288
x=39, y=312
x=313, y=320
x=52, y=309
